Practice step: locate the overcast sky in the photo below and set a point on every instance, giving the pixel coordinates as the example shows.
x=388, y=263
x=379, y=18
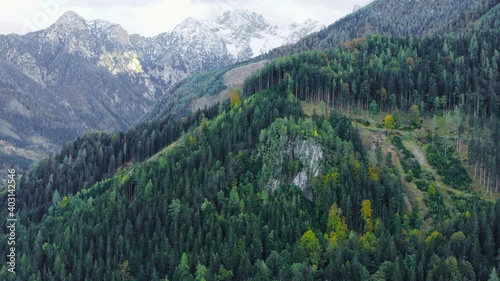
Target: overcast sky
x=151, y=17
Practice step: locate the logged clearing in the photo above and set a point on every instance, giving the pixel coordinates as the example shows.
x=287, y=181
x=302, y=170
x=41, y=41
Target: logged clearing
x=419, y=155
x=233, y=79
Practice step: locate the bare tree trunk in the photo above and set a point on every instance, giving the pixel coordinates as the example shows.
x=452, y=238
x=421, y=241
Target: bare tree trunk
x=480, y=176
x=484, y=175
x=488, y=187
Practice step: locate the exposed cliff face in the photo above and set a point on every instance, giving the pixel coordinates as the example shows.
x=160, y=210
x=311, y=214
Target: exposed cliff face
x=310, y=155
x=289, y=159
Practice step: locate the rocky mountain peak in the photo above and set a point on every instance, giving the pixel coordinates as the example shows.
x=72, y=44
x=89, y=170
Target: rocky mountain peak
x=87, y=38
x=71, y=20
x=243, y=19
x=296, y=31
x=69, y=16
x=191, y=26
x=307, y=24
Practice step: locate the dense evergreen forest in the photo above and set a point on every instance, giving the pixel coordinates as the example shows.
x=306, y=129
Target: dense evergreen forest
x=435, y=75
x=395, y=72
x=258, y=188
x=347, y=223
x=94, y=157
x=224, y=202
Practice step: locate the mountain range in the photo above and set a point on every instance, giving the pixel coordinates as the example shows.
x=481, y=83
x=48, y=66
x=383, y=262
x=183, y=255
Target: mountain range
x=78, y=75
x=366, y=151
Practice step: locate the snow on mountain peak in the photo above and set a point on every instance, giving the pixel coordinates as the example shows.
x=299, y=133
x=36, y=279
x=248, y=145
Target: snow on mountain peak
x=194, y=34
x=297, y=31
x=240, y=33
x=188, y=23
x=248, y=34
x=193, y=45
x=243, y=20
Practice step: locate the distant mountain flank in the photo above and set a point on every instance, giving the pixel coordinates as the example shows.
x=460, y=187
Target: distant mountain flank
x=400, y=18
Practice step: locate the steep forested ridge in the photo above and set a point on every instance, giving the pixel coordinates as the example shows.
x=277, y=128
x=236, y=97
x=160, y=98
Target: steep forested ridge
x=95, y=156
x=395, y=72
x=435, y=75
x=224, y=202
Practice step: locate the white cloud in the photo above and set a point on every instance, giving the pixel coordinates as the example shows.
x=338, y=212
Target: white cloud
x=151, y=17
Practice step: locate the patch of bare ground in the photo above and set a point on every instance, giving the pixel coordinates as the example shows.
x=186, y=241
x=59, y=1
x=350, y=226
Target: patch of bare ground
x=370, y=137
x=233, y=79
x=412, y=196
x=419, y=155
x=10, y=149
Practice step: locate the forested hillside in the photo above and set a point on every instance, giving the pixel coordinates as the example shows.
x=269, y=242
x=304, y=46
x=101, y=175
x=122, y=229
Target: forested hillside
x=372, y=159
x=456, y=77
x=260, y=192
x=95, y=156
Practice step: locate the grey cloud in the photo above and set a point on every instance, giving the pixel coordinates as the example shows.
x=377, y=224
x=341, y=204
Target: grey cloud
x=109, y=3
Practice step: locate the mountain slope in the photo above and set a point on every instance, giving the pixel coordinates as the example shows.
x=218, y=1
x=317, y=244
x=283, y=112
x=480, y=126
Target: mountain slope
x=270, y=194
x=397, y=18
x=383, y=17
x=204, y=89
x=57, y=86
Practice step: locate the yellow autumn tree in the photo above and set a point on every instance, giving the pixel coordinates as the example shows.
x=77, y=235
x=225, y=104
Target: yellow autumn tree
x=336, y=226
x=366, y=213
x=435, y=238
x=235, y=99
x=389, y=122
x=336, y=223
x=373, y=173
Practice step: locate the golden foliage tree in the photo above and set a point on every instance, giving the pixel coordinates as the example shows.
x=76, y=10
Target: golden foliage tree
x=336, y=223
x=366, y=213
x=389, y=122
x=235, y=99
x=373, y=173
x=336, y=226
